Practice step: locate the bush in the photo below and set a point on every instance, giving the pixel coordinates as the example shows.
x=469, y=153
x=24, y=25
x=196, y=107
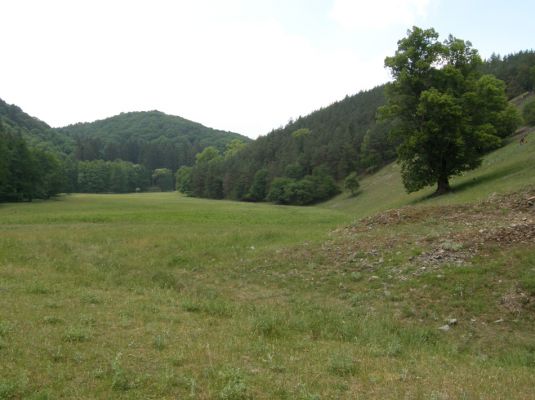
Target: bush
x=351, y=183
x=311, y=189
x=277, y=192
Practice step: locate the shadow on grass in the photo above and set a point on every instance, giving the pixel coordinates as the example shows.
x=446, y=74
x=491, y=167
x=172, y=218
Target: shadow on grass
x=488, y=177
x=473, y=182
x=353, y=195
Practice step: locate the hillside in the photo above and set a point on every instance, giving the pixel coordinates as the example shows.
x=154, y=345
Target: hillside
x=341, y=138
x=335, y=140
x=151, y=138
x=507, y=169
x=36, y=132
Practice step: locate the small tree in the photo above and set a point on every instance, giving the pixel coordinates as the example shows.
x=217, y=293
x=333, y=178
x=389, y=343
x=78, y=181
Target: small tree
x=351, y=183
x=163, y=178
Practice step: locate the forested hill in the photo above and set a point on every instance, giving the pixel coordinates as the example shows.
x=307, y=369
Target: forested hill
x=338, y=139
x=36, y=132
x=516, y=70
x=335, y=137
x=308, y=153
x=151, y=138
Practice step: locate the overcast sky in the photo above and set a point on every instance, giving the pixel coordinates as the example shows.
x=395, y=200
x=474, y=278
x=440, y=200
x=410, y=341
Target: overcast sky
x=241, y=65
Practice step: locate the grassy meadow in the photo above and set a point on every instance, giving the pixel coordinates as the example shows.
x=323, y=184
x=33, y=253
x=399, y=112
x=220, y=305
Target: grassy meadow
x=160, y=296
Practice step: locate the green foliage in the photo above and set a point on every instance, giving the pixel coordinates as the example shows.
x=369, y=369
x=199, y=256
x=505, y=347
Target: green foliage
x=331, y=137
x=163, y=179
x=277, y=191
x=299, y=133
x=208, y=154
x=206, y=179
x=311, y=189
x=183, y=180
x=100, y=176
x=234, y=147
x=377, y=148
x=258, y=189
x=152, y=138
x=35, y=132
x=294, y=171
x=529, y=113
x=351, y=183
x=517, y=70
x=445, y=117
x=27, y=173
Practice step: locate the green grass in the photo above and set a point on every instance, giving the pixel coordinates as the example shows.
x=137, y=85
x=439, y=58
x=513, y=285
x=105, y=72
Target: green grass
x=162, y=296
x=507, y=169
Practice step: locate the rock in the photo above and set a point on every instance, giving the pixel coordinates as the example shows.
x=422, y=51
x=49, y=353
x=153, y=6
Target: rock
x=444, y=328
x=498, y=321
x=452, y=321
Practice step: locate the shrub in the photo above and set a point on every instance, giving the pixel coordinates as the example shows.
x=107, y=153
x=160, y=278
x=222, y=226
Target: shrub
x=311, y=189
x=277, y=192
x=351, y=183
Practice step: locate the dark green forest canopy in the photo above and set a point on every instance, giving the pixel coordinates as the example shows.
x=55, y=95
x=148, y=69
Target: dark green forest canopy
x=516, y=70
x=151, y=138
x=36, y=132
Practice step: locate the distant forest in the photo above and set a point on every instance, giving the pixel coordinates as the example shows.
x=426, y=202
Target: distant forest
x=136, y=151
x=153, y=139
x=141, y=151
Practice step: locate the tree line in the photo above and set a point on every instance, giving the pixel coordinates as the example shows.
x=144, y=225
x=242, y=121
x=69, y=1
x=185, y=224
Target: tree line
x=152, y=138
x=463, y=113
x=516, y=70
x=27, y=173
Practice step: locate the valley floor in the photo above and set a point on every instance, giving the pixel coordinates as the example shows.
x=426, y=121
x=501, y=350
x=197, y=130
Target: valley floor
x=158, y=296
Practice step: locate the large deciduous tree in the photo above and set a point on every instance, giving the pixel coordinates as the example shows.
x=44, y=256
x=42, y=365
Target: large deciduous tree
x=444, y=113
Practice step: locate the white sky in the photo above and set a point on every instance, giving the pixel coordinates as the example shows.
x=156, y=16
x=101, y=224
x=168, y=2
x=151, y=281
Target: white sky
x=243, y=66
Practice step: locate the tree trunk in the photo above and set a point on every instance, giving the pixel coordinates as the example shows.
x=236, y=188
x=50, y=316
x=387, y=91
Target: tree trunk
x=443, y=185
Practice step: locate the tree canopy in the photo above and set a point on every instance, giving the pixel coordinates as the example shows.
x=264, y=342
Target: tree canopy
x=444, y=112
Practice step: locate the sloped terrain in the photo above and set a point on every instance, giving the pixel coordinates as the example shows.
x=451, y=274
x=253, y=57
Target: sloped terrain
x=383, y=295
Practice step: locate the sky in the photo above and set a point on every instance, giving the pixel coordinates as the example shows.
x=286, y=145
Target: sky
x=247, y=66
